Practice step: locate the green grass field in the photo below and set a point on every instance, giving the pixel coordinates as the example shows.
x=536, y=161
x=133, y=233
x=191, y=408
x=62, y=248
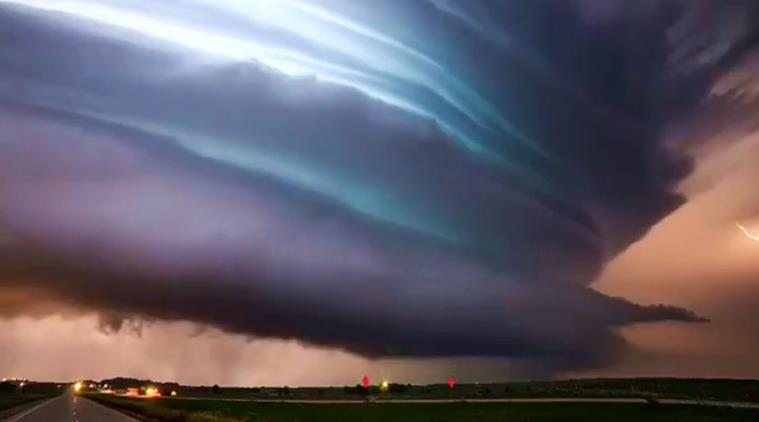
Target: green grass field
x=694, y=389
x=177, y=410
x=12, y=395
x=7, y=402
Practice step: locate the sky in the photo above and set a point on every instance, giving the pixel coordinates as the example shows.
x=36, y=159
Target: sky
x=292, y=192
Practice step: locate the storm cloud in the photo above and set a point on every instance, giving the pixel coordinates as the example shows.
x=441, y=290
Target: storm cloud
x=417, y=179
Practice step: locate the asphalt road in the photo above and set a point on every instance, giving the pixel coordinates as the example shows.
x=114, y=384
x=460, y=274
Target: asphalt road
x=70, y=408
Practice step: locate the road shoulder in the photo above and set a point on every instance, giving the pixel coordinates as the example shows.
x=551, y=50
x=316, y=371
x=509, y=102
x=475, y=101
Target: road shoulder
x=18, y=412
x=138, y=417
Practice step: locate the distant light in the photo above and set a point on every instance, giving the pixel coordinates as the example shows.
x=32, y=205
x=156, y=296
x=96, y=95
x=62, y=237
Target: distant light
x=385, y=385
x=77, y=386
x=451, y=382
x=173, y=393
x=365, y=381
x=152, y=392
x=21, y=385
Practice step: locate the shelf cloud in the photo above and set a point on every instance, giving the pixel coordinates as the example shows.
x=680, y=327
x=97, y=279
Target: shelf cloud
x=395, y=179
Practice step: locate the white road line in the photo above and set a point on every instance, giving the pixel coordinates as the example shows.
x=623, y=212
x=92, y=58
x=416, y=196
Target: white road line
x=30, y=411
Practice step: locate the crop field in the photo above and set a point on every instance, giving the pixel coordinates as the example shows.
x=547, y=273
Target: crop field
x=657, y=388
x=209, y=410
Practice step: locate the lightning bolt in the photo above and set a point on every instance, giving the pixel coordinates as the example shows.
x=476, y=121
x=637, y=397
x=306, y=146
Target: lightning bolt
x=748, y=233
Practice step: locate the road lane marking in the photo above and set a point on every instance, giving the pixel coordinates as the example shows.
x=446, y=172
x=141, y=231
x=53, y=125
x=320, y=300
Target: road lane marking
x=30, y=411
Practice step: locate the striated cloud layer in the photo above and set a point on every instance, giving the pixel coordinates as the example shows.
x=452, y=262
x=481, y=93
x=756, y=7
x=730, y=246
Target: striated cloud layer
x=391, y=178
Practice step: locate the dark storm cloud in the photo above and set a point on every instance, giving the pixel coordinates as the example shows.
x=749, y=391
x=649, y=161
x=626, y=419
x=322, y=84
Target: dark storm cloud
x=135, y=239
x=387, y=211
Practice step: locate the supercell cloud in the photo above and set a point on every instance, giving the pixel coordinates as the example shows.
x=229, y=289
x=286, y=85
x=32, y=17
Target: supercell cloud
x=395, y=178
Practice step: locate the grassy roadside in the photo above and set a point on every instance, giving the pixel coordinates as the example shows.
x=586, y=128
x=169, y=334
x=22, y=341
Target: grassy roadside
x=173, y=410
x=656, y=388
x=17, y=395
x=11, y=405
x=10, y=402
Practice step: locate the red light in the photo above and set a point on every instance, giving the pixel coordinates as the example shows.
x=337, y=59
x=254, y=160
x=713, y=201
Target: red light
x=365, y=381
x=451, y=382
